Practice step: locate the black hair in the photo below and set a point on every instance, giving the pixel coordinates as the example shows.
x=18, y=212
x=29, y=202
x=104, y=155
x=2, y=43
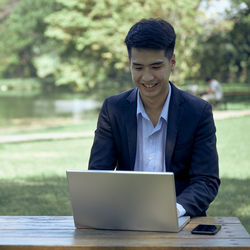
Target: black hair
x=152, y=34
x=208, y=78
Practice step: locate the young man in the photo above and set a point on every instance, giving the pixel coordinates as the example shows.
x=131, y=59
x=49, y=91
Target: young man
x=157, y=127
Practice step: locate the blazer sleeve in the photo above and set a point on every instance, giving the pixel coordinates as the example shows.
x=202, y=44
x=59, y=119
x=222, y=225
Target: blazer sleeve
x=103, y=153
x=204, y=172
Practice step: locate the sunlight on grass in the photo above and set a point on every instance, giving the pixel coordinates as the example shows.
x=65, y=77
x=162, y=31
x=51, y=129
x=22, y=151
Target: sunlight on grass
x=33, y=176
x=45, y=158
x=233, y=145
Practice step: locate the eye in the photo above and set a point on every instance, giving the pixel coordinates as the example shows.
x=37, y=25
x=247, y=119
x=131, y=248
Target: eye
x=138, y=68
x=156, y=67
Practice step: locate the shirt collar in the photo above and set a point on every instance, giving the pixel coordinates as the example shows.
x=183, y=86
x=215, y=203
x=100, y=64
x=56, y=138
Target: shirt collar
x=164, y=112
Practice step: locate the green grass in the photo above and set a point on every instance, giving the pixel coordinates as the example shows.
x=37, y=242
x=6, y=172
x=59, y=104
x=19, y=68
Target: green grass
x=233, y=147
x=233, y=200
x=236, y=106
x=233, y=143
x=36, y=195
x=33, y=180
x=45, y=158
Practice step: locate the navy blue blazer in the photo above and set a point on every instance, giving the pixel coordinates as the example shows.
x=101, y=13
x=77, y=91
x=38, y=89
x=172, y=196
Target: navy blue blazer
x=190, y=145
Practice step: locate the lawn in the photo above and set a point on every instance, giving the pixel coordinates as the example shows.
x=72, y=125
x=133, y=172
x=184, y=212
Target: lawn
x=33, y=181
x=234, y=158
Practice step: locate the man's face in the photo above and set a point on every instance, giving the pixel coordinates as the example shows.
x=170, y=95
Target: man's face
x=150, y=70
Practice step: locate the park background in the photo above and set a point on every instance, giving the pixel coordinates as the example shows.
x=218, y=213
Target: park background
x=59, y=59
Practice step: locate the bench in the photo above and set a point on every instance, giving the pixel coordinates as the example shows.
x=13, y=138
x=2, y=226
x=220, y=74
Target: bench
x=219, y=104
x=236, y=95
x=232, y=96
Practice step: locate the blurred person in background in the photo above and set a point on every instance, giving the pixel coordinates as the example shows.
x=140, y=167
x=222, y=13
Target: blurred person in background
x=214, y=92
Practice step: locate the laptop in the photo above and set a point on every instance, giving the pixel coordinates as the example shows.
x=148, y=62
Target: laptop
x=124, y=200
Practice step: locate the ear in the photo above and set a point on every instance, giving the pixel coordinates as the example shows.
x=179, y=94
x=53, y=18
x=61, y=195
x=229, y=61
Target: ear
x=172, y=62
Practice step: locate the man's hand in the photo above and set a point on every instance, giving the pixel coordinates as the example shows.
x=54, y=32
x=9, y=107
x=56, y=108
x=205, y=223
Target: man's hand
x=178, y=212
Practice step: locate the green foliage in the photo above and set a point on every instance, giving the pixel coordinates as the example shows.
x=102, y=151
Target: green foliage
x=22, y=37
x=224, y=53
x=93, y=33
x=80, y=43
x=19, y=84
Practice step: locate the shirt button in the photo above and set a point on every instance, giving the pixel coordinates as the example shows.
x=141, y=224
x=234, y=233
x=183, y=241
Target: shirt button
x=149, y=158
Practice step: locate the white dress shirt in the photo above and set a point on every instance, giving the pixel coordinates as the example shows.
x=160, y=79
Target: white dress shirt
x=151, y=141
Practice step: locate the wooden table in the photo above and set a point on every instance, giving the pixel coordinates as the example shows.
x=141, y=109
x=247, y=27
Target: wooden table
x=58, y=232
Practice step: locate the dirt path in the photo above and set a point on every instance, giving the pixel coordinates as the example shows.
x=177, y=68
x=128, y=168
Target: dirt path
x=218, y=115
x=44, y=137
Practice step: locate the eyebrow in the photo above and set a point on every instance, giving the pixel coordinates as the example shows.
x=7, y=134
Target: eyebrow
x=152, y=64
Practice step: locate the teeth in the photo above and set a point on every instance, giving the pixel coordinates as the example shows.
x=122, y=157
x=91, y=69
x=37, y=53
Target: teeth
x=148, y=85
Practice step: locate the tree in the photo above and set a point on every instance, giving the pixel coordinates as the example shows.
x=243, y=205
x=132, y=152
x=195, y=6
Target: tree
x=80, y=43
x=22, y=36
x=92, y=34
x=224, y=52
x=7, y=9
x=240, y=38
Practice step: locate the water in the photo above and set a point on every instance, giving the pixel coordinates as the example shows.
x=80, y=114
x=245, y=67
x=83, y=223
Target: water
x=25, y=107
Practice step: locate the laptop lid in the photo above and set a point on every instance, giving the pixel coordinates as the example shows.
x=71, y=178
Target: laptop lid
x=124, y=200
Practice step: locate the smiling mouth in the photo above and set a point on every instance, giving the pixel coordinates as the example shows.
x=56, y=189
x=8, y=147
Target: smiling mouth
x=149, y=86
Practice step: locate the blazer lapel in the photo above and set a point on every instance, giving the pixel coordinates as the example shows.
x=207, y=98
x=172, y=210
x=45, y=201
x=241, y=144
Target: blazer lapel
x=131, y=125
x=174, y=115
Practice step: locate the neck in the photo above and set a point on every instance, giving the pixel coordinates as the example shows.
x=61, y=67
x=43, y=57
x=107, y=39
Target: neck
x=154, y=105
x=153, y=109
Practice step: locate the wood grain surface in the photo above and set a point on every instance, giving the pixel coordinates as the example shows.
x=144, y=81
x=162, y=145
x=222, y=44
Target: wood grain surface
x=59, y=232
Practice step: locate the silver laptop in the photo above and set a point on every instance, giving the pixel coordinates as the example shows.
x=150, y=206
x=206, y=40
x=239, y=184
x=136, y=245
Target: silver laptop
x=122, y=200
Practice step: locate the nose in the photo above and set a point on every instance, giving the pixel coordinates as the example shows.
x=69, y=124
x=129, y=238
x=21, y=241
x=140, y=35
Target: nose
x=147, y=76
